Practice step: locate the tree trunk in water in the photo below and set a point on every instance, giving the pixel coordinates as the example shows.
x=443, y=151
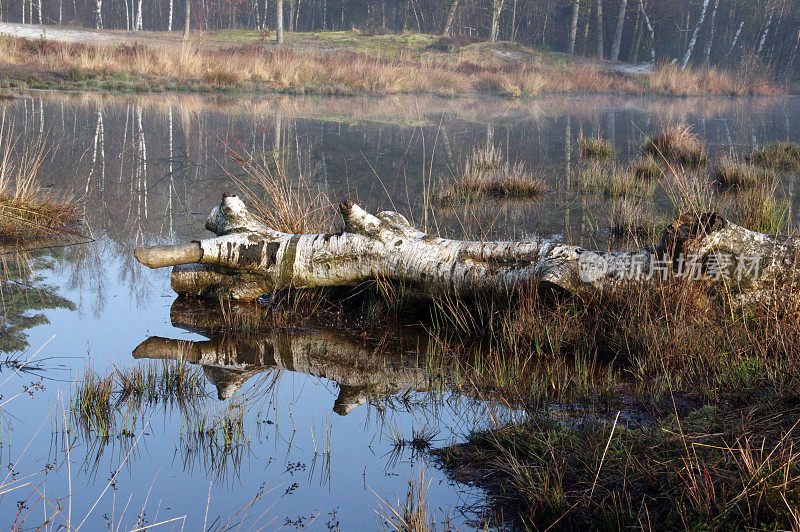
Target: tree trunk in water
x=693, y=41
x=618, y=31
x=279, y=22
x=248, y=259
x=573, y=29
x=188, y=21
x=710, y=41
x=451, y=14
x=600, y=35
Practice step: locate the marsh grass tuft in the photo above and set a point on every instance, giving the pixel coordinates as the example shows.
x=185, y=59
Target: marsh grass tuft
x=758, y=209
x=26, y=210
x=611, y=181
x=647, y=168
x=778, y=155
x=595, y=148
x=677, y=143
x=411, y=515
x=731, y=172
x=484, y=174
x=718, y=467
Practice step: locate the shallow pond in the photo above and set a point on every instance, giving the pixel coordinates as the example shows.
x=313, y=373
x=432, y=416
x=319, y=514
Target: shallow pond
x=323, y=410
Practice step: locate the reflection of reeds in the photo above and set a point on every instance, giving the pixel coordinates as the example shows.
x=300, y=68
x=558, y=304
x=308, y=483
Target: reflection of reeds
x=97, y=399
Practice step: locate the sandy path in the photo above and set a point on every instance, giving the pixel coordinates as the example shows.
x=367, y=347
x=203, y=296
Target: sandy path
x=55, y=33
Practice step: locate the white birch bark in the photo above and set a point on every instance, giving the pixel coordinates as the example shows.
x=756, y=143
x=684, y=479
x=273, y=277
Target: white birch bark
x=139, y=15
x=99, y=14
x=710, y=41
x=171, y=11
x=763, y=38
x=693, y=40
x=651, y=31
x=573, y=28
x=497, y=9
x=736, y=37
x=247, y=259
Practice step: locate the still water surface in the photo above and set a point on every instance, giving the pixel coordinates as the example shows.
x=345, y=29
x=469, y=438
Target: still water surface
x=321, y=452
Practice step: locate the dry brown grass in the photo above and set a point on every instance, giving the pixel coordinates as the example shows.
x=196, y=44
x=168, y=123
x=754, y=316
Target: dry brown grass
x=731, y=172
x=26, y=210
x=677, y=142
x=671, y=80
x=327, y=71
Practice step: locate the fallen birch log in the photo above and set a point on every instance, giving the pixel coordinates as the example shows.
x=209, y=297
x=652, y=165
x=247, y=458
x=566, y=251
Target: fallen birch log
x=247, y=259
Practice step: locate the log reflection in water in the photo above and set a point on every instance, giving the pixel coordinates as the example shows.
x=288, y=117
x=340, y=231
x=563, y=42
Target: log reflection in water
x=361, y=368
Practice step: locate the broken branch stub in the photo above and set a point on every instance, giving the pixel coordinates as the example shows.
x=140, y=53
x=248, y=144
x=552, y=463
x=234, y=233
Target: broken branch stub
x=247, y=259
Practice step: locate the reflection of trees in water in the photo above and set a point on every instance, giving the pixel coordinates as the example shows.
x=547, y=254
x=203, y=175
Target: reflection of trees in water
x=24, y=296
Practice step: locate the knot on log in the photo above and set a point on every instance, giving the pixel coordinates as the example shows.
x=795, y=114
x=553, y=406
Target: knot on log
x=687, y=229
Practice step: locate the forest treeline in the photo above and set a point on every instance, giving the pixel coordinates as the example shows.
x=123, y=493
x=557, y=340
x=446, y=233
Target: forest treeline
x=686, y=32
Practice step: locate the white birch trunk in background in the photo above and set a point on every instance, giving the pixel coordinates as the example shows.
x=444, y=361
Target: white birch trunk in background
x=99, y=14
x=600, y=35
x=139, y=15
x=693, y=41
x=763, y=38
x=451, y=15
x=279, y=21
x=618, y=31
x=573, y=28
x=497, y=9
x=710, y=41
x=171, y=11
x=736, y=37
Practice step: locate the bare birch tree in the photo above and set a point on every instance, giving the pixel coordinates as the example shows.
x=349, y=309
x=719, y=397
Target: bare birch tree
x=279, y=21
x=451, y=14
x=599, y=34
x=497, y=9
x=618, y=31
x=573, y=29
x=693, y=40
x=187, y=24
x=710, y=40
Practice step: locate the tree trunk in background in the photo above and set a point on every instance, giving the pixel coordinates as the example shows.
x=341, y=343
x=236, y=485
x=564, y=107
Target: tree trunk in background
x=451, y=15
x=599, y=34
x=763, y=38
x=618, y=32
x=291, y=15
x=710, y=41
x=633, y=57
x=188, y=22
x=693, y=41
x=573, y=29
x=497, y=8
x=139, y=16
x=171, y=11
x=279, y=22
x=736, y=37
x=99, y=13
